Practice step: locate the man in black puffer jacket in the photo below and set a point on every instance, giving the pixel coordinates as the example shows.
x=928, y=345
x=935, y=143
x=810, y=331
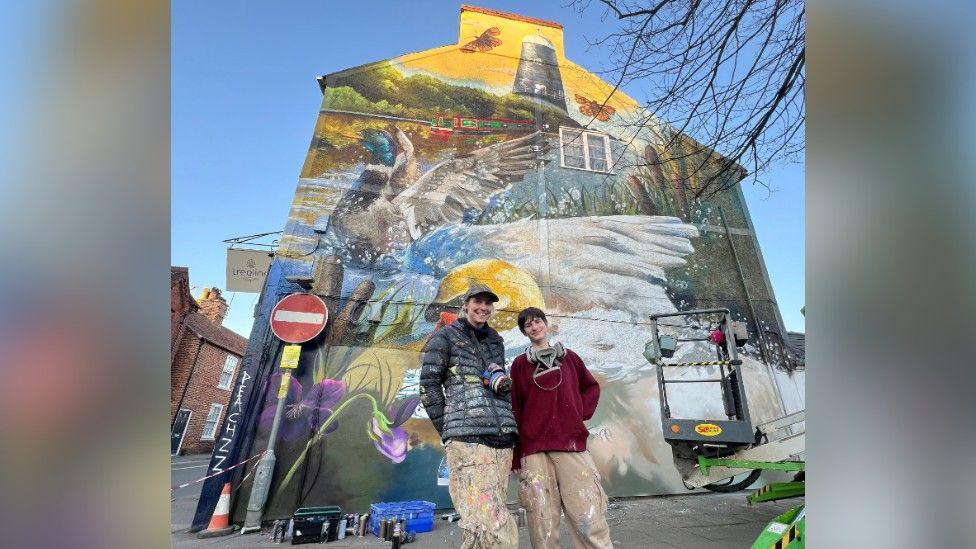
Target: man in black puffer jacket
x=474, y=420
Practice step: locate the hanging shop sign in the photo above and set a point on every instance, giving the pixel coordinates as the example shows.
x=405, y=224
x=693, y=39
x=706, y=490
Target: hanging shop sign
x=246, y=269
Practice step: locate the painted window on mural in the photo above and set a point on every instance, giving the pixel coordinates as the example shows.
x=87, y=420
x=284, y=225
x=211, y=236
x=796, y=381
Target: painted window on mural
x=228, y=372
x=210, y=426
x=583, y=150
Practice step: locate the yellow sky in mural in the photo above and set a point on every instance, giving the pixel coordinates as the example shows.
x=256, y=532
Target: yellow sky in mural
x=495, y=68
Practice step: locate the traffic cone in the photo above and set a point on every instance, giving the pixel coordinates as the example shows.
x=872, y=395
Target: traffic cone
x=219, y=523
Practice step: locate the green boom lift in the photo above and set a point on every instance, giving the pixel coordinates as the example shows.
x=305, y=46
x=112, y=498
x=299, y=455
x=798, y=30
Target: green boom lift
x=711, y=452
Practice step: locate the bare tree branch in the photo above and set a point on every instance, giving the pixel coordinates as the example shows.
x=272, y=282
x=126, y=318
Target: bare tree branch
x=728, y=75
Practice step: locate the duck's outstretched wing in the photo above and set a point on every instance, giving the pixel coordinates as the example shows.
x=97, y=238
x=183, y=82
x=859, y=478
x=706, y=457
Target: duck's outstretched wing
x=446, y=191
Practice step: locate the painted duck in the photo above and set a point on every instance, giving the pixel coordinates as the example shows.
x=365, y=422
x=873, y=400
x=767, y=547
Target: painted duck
x=393, y=203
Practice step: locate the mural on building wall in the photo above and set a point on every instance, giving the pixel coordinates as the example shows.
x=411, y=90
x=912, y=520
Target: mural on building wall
x=495, y=159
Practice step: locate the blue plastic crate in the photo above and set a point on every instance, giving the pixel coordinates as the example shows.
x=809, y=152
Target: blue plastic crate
x=418, y=514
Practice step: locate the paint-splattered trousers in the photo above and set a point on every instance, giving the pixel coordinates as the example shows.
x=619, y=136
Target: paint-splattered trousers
x=568, y=482
x=478, y=483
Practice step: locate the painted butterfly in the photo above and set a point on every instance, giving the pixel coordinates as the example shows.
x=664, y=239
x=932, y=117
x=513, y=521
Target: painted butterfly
x=591, y=108
x=483, y=43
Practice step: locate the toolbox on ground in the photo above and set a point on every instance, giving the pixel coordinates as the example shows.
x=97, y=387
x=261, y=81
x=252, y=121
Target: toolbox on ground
x=419, y=515
x=315, y=524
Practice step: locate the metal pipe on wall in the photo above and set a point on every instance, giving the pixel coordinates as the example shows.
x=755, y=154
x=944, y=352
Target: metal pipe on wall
x=745, y=289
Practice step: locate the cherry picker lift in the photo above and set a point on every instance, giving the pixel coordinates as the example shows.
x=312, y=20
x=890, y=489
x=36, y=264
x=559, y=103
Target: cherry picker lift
x=714, y=452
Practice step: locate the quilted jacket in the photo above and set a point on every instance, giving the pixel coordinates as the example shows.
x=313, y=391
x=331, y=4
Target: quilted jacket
x=456, y=400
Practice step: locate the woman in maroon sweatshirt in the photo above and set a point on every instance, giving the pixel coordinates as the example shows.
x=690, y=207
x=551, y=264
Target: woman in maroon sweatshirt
x=552, y=395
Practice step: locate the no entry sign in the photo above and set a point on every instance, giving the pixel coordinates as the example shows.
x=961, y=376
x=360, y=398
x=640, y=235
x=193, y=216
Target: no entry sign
x=298, y=318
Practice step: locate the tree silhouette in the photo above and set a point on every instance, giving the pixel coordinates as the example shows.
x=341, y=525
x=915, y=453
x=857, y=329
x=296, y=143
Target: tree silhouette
x=728, y=74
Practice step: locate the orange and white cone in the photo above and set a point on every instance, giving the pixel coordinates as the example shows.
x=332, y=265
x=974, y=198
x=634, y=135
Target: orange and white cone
x=220, y=522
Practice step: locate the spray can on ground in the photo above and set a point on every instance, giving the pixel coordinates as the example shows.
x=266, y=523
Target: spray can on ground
x=342, y=529
x=397, y=531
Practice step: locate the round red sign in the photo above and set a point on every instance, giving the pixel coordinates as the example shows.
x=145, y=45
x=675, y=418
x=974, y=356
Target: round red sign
x=298, y=318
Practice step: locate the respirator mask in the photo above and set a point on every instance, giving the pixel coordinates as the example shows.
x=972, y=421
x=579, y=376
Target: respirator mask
x=545, y=361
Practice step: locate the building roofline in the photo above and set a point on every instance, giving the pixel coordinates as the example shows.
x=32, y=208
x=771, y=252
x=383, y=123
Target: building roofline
x=444, y=49
x=206, y=340
x=320, y=79
x=512, y=16
x=216, y=334
x=373, y=65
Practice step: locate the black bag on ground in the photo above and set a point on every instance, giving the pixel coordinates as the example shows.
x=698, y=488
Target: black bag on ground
x=315, y=524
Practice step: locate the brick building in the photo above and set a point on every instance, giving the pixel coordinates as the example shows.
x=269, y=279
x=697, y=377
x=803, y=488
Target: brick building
x=205, y=358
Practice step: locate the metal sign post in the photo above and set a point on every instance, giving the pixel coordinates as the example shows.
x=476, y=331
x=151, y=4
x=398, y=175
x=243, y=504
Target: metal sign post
x=266, y=465
x=295, y=319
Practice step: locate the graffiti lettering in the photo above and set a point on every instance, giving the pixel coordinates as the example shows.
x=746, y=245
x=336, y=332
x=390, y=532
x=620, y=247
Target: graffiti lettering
x=226, y=441
x=230, y=425
x=238, y=401
x=217, y=466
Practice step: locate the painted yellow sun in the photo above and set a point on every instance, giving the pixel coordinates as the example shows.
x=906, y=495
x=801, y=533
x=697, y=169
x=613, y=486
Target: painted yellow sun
x=515, y=288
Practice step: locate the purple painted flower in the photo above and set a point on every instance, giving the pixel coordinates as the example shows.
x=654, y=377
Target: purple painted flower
x=293, y=396
x=401, y=410
x=320, y=401
x=392, y=444
x=302, y=417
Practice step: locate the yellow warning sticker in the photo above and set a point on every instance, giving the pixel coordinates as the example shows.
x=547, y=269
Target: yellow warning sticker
x=707, y=429
x=285, y=384
x=289, y=356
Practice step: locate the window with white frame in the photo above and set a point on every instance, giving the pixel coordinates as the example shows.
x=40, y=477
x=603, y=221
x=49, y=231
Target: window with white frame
x=210, y=426
x=227, y=374
x=584, y=150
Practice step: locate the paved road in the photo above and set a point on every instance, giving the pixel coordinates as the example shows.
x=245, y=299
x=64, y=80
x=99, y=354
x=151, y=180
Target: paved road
x=695, y=521
x=183, y=502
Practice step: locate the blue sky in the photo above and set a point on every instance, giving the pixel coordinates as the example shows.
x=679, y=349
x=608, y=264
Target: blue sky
x=245, y=99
